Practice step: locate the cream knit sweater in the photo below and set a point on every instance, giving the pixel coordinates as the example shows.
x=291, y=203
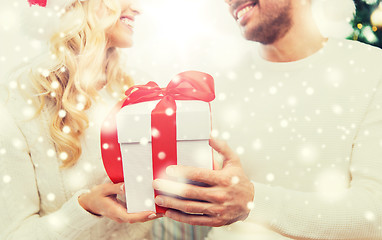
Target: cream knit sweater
x=309, y=134
x=38, y=200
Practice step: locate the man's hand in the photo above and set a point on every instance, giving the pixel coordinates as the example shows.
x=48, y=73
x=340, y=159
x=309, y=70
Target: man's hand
x=225, y=201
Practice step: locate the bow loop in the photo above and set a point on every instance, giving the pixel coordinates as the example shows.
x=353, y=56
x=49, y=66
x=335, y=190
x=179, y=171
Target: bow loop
x=41, y=3
x=143, y=93
x=190, y=85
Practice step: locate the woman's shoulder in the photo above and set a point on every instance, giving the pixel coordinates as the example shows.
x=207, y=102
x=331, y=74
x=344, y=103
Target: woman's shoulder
x=16, y=97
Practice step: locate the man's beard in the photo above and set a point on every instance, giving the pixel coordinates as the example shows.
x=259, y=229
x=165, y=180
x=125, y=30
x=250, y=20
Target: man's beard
x=273, y=26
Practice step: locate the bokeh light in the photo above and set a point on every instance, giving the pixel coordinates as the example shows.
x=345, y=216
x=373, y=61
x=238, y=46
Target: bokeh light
x=170, y=36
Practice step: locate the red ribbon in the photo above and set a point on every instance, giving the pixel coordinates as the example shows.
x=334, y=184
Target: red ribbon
x=41, y=3
x=190, y=85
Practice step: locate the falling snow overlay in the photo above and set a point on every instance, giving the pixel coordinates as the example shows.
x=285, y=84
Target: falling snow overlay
x=320, y=117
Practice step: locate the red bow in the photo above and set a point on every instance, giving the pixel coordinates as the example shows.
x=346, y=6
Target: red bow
x=41, y=3
x=190, y=85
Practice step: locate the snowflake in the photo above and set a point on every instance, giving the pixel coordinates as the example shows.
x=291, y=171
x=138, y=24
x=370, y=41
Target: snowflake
x=258, y=75
x=161, y=155
x=215, y=133
x=284, y=123
x=80, y=106
x=63, y=156
x=144, y=141
x=240, y=150
x=169, y=111
x=250, y=205
x=7, y=178
x=17, y=143
x=337, y=109
x=3, y=151
x=139, y=178
x=273, y=90
x=226, y=135
x=28, y=112
x=270, y=177
x=66, y=129
x=222, y=96
x=308, y=154
x=292, y=101
x=45, y=73
x=51, y=197
x=149, y=202
x=370, y=216
x=235, y=180
x=154, y=133
x=257, y=144
x=310, y=91
x=51, y=153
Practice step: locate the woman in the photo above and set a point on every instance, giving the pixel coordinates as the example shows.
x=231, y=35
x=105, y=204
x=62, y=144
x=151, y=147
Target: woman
x=54, y=185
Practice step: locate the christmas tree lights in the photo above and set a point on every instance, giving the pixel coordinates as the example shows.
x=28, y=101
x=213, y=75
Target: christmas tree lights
x=367, y=22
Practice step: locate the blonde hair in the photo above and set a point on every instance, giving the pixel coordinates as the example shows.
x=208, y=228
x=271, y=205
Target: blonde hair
x=66, y=81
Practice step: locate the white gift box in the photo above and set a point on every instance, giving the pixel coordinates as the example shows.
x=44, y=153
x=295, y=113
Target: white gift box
x=193, y=127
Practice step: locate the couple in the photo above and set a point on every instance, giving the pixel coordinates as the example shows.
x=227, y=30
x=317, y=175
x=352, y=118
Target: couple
x=307, y=136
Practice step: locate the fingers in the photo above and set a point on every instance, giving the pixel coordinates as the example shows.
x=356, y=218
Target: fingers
x=108, y=189
x=192, y=173
x=142, y=216
x=188, y=191
x=187, y=206
x=118, y=213
x=202, y=220
x=222, y=148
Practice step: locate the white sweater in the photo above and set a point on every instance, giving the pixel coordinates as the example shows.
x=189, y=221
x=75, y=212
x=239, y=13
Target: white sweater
x=309, y=134
x=38, y=200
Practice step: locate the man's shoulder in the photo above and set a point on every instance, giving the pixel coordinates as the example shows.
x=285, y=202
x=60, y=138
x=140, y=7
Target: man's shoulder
x=356, y=50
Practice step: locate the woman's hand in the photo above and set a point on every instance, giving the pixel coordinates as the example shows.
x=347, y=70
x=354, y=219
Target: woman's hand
x=102, y=200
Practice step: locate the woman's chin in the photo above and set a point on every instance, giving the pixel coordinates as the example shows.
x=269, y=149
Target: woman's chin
x=127, y=44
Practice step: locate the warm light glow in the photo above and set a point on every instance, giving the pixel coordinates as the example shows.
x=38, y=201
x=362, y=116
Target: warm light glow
x=376, y=17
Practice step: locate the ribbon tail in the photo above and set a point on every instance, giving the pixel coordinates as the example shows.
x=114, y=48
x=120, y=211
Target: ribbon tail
x=110, y=148
x=163, y=136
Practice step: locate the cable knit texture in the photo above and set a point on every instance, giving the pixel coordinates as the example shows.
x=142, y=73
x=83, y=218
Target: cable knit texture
x=39, y=199
x=309, y=134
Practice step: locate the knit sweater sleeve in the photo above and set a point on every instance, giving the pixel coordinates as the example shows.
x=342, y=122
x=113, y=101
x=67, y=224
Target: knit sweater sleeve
x=19, y=196
x=355, y=213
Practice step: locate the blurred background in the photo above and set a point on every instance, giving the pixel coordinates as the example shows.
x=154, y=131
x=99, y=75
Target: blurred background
x=177, y=35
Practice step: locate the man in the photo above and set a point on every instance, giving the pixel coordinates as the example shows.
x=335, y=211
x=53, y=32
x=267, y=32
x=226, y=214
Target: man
x=308, y=130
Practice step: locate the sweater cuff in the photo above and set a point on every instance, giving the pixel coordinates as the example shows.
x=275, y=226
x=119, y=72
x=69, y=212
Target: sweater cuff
x=73, y=218
x=266, y=204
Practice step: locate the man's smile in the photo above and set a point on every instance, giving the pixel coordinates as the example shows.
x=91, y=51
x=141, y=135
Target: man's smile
x=240, y=10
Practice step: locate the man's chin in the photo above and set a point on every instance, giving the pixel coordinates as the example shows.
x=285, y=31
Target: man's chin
x=258, y=37
x=253, y=38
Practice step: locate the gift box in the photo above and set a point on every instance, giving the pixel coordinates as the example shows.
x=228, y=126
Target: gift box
x=134, y=135
x=156, y=127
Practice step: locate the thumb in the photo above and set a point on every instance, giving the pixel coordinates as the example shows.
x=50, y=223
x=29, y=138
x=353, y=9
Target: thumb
x=108, y=189
x=229, y=156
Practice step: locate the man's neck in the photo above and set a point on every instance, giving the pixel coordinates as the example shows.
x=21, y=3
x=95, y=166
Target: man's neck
x=301, y=41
